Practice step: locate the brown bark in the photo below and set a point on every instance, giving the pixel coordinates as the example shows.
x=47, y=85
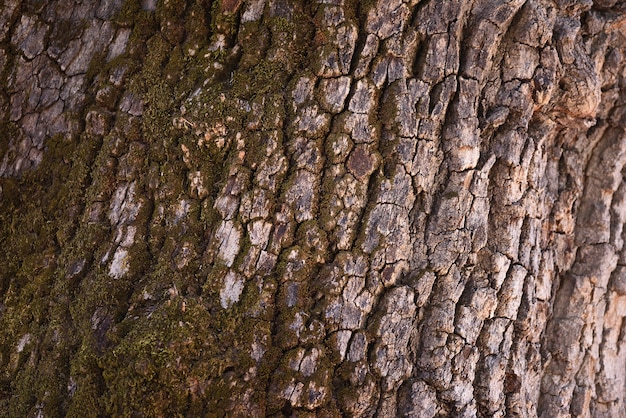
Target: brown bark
x=276, y=207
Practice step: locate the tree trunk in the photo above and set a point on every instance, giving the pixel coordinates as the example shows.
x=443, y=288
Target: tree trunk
x=279, y=207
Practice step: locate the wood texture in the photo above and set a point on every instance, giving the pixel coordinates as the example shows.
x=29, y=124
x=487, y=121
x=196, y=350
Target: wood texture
x=326, y=208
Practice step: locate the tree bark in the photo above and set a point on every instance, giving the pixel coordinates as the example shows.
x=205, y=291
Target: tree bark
x=290, y=208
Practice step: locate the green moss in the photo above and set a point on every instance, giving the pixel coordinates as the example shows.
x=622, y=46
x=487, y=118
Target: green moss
x=86, y=401
x=24, y=397
x=196, y=28
x=98, y=61
x=258, y=80
x=254, y=39
x=170, y=9
x=255, y=149
x=176, y=65
x=281, y=24
x=133, y=345
x=148, y=372
x=128, y=12
x=8, y=130
x=223, y=23
x=157, y=120
x=35, y=300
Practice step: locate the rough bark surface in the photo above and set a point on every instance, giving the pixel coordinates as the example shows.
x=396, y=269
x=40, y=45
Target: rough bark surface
x=280, y=207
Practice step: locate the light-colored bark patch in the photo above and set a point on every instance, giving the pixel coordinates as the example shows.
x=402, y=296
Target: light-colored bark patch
x=231, y=291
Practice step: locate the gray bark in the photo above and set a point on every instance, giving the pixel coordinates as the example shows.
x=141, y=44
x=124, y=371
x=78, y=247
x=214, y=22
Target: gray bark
x=275, y=207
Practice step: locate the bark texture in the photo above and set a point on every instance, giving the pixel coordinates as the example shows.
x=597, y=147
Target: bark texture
x=303, y=208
